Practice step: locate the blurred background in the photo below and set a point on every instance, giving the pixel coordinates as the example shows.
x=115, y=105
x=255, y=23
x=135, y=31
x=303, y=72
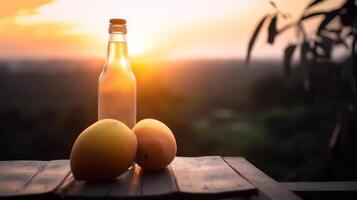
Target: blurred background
x=287, y=105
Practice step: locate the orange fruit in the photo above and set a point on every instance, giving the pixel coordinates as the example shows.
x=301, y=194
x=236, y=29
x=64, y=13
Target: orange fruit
x=103, y=151
x=156, y=144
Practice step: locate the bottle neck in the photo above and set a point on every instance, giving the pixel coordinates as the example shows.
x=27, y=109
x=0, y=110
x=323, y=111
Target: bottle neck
x=117, y=54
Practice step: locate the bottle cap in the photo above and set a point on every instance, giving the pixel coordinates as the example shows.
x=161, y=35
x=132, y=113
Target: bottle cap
x=117, y=21
x=117, y=26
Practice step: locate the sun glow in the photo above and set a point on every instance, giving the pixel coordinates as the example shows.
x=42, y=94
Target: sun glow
x=157, y=29
x=154, y=27
x=87, y=19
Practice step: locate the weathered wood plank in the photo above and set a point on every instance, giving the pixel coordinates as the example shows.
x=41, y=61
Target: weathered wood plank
x=186, y=177
x=323, y=190
x=209, y=176
x=128, y=185
x=266, y=185
x=48, y=179
x=80, y=189
x=65, y=185
x=15, y=175
x=125, y=186
x=159, y=183
x=321, y=186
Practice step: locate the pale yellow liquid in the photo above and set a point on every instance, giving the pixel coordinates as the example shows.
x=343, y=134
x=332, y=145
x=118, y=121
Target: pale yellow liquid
x=117, y=88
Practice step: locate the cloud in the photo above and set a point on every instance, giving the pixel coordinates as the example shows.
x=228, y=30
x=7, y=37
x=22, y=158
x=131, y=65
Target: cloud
x=41, y=39
x=12, y=8
x=45, y=40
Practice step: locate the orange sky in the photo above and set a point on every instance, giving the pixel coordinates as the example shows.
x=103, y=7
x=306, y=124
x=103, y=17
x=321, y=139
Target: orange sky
x=157, y=29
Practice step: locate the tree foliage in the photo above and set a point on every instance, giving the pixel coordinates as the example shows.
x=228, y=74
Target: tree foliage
x=318, y=46
x=338, y=27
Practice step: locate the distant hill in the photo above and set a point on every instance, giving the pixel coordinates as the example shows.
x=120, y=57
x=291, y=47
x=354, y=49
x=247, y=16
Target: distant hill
x=72, y=82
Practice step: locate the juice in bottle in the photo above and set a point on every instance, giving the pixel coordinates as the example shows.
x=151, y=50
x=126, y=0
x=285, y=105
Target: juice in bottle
x=117, y=82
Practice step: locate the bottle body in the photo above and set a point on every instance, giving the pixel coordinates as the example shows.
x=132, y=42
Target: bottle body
x=117, y=84
x=117, y=97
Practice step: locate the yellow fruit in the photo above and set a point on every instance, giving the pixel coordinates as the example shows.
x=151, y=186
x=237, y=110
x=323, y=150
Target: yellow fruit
x=156, y=144
x=103, y=151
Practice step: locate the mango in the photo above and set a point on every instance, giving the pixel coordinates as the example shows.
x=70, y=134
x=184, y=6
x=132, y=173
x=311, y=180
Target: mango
x=103, y=151
x=156, y=144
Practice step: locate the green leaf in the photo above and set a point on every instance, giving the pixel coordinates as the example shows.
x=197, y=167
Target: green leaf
x=354, y=57
x=254, y=37
x=328, y=18
x=288, y=54
x=348, y=14
x=312, y=15
x=272, y=30
x=272, y=3
x=313, y=3
x=304, y=50
x=317, y=50
x=354, y=45
x=327, y=45
x=341, y=41
x=336, y=31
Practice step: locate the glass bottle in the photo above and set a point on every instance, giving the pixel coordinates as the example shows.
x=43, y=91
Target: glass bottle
x=117, y=82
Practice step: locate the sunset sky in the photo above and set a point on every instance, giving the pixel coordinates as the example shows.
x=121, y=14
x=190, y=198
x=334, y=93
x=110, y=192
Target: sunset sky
x=158, y=29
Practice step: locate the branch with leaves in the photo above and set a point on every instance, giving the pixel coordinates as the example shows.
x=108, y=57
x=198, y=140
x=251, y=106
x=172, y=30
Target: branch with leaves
x=318, y=47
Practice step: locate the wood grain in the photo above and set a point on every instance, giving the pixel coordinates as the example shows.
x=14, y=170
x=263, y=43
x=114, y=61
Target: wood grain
x=64, y=186
x=266, y=185
x=323, y=190
x=127, y=185
x=47, y=179
x=159, y=183
x=15, y=175
x=80, y=189
x=208, y=175
x=321, y=186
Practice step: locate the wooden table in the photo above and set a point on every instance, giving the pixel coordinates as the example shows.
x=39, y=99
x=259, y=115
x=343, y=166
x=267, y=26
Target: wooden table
x=211, y=177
